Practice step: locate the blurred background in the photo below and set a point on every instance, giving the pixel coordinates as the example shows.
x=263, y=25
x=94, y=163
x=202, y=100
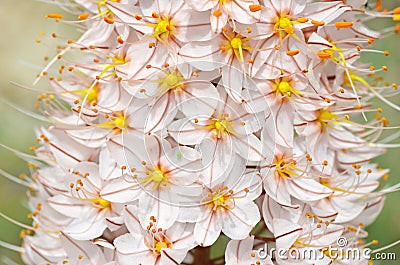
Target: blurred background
x=22, y=58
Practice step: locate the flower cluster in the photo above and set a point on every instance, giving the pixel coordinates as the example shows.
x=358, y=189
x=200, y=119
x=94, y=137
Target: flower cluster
x=174, y=122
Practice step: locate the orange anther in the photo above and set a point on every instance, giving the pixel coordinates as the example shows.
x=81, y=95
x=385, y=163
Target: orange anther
x=317, y=23
x=324, y=55
x=293, y=52
x=83, y=16
x=344, y=24
x=217, y=13
x=120, y=40
x=54, y=15
x=108, y=20
x=302, y=19
x=396, y=10
x=255, y=8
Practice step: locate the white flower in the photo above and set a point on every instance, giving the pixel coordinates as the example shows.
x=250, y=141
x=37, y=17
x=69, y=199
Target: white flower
x=244, y=11
x=82, y=201
x=228, y=207
x=153, y=245
x=161, y=177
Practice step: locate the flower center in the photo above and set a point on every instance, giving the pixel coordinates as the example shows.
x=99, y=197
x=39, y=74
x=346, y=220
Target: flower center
x=237, y=44
x=158, y=245
x=117, y=123
x=220, y=199
x=102, y=203
x=325, y=116
x=171, y=81
x=221, y=127
x=91, y=94
x=284, y=88
x=283, y=23
x=157, y=177
x=162, y=29
x=285, y=168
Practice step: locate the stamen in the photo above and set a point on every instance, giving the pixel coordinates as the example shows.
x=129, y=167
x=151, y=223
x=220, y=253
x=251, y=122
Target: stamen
x=344, y=24
x=255, y=8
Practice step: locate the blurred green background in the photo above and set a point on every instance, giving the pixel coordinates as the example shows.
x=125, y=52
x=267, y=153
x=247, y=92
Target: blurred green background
x=22, y=58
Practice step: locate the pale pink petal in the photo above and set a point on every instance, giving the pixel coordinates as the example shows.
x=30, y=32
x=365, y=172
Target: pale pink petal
x=161, y=113
x=217, y=23
x=131, y=247
x=158, y=204
x=200, y=5
x=88, y=228
x=121, y=190
x=239, y=221
x=193, y=26
x=69, y=207
x=325, y=11
x=88, y=252
x=249, y=147
x=205, y=56
x=240, y=11
x=217, y=157
x=306, y=189
x=185, y=132
x=131, y=219
x=286, y=233
x=198, y=98
x=172, y=256
x=208, y=228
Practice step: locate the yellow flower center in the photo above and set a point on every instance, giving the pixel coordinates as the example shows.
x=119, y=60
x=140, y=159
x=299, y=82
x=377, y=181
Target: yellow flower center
x=157, y=176
x=219, y=199
x=173, y=80
x=117, y=123
x=158, y=245
x=325, y=116
x=236, y=43
x=162, y=29
x=90, y=94
x=102, y=203
x=283, y=23
x=221, y=126
x=284, y=88
x=285, y=168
